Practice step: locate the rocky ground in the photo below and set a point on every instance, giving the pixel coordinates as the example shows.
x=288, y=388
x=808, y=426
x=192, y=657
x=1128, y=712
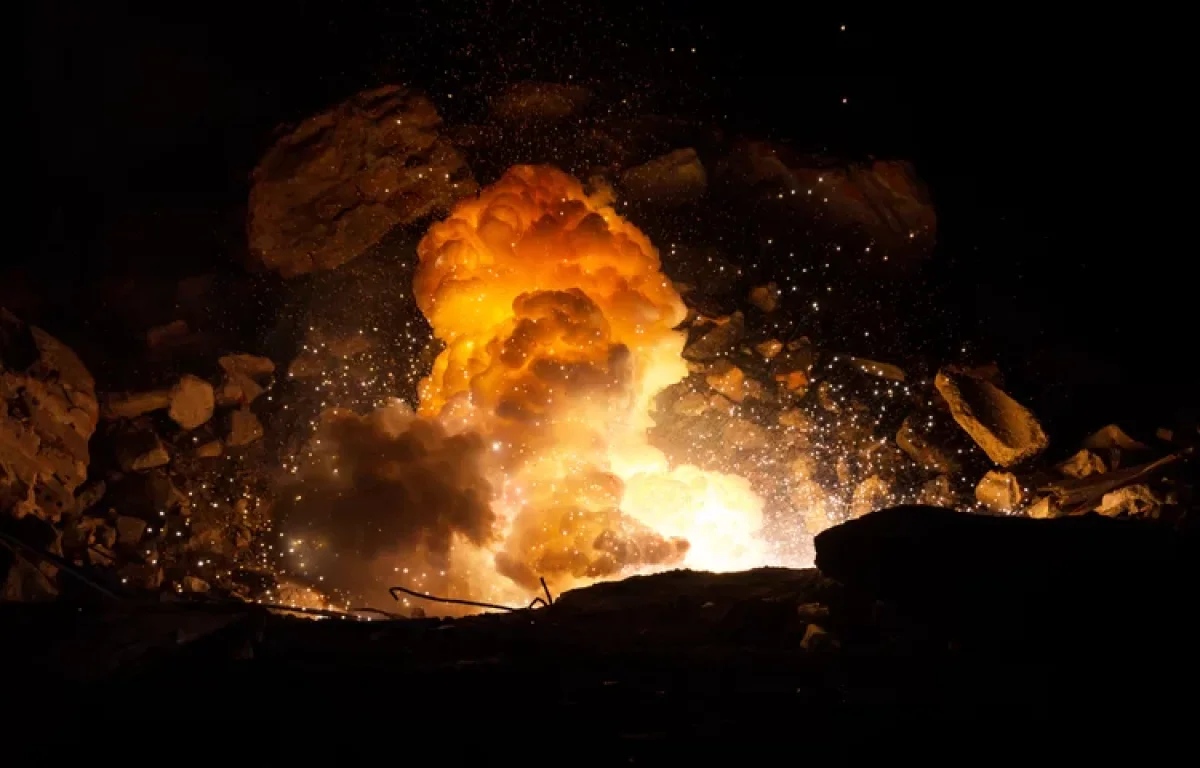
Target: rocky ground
x=146, y=456
x=1087, y=630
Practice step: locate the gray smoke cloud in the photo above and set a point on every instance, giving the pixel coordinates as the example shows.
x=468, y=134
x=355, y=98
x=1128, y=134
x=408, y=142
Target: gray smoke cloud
x=383, y=497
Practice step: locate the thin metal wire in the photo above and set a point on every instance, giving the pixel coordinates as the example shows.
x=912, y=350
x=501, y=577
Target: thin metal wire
x=450, y=600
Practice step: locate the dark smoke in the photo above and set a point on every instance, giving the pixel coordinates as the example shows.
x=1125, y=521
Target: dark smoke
x=385, y=489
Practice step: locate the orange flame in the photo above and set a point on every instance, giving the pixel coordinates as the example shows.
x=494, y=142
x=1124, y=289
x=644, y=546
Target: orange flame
x=559, y=328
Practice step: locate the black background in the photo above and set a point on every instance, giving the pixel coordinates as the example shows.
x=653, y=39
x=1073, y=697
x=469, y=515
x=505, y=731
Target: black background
x=1055, y=149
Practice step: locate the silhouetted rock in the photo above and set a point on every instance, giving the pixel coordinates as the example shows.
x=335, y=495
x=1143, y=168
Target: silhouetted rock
x=1012, y=580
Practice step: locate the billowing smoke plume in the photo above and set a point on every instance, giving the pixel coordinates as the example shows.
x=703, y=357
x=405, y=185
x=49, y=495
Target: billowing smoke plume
x=529, y=456
x=385, y=493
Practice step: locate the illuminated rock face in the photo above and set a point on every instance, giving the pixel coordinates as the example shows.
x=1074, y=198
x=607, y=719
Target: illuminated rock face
x=1006, y=430
x=330, y=189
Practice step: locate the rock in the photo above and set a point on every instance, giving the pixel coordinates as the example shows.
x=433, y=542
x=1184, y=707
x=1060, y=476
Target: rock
x=1080, y=494
x=938, y=492
x=143, y=575
x=1112, y=442
x=194, y=584
x=672, y=179
x=753, y=388
x=794, y=418
x=1082, y=464
x=798, y=355
x=881, y=204
x=1132, y=501
x=1006, y=431
x=532, y=101
x=875, y=368
x=130, y=405
x=795, y=382
x=192, y=402
x=691, y=404
x=307, y=365
x=1112, y=436
x=1043, y=509
x=999, y=492
x=743, y=435
x=915, y=438
x=871, y=494
x=333, y=187
x=244, y=427
x=23, y=581
x=729, y=382
x=89, y=495
x=138, y=448
x=130, y=529
x=238, y=389
x=816, y=638
x=106, y=536
x=766, y=297
x=209, y=450
x=1010, y=582
x=323, y=350
x=250, y=365
x=769, y=348
x=167, y=335
x=718, y=340
x=813, y=612
x=828, y=400
x=48, y=412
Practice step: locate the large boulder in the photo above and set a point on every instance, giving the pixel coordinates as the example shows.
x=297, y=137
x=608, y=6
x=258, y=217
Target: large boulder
x=333, y=187
x=882, y=204
x=1006, y=430
x=48, y=411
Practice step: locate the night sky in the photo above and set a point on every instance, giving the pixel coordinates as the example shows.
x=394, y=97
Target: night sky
x=1050, y=146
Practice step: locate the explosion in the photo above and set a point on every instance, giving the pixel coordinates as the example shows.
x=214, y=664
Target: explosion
x=528, y=455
